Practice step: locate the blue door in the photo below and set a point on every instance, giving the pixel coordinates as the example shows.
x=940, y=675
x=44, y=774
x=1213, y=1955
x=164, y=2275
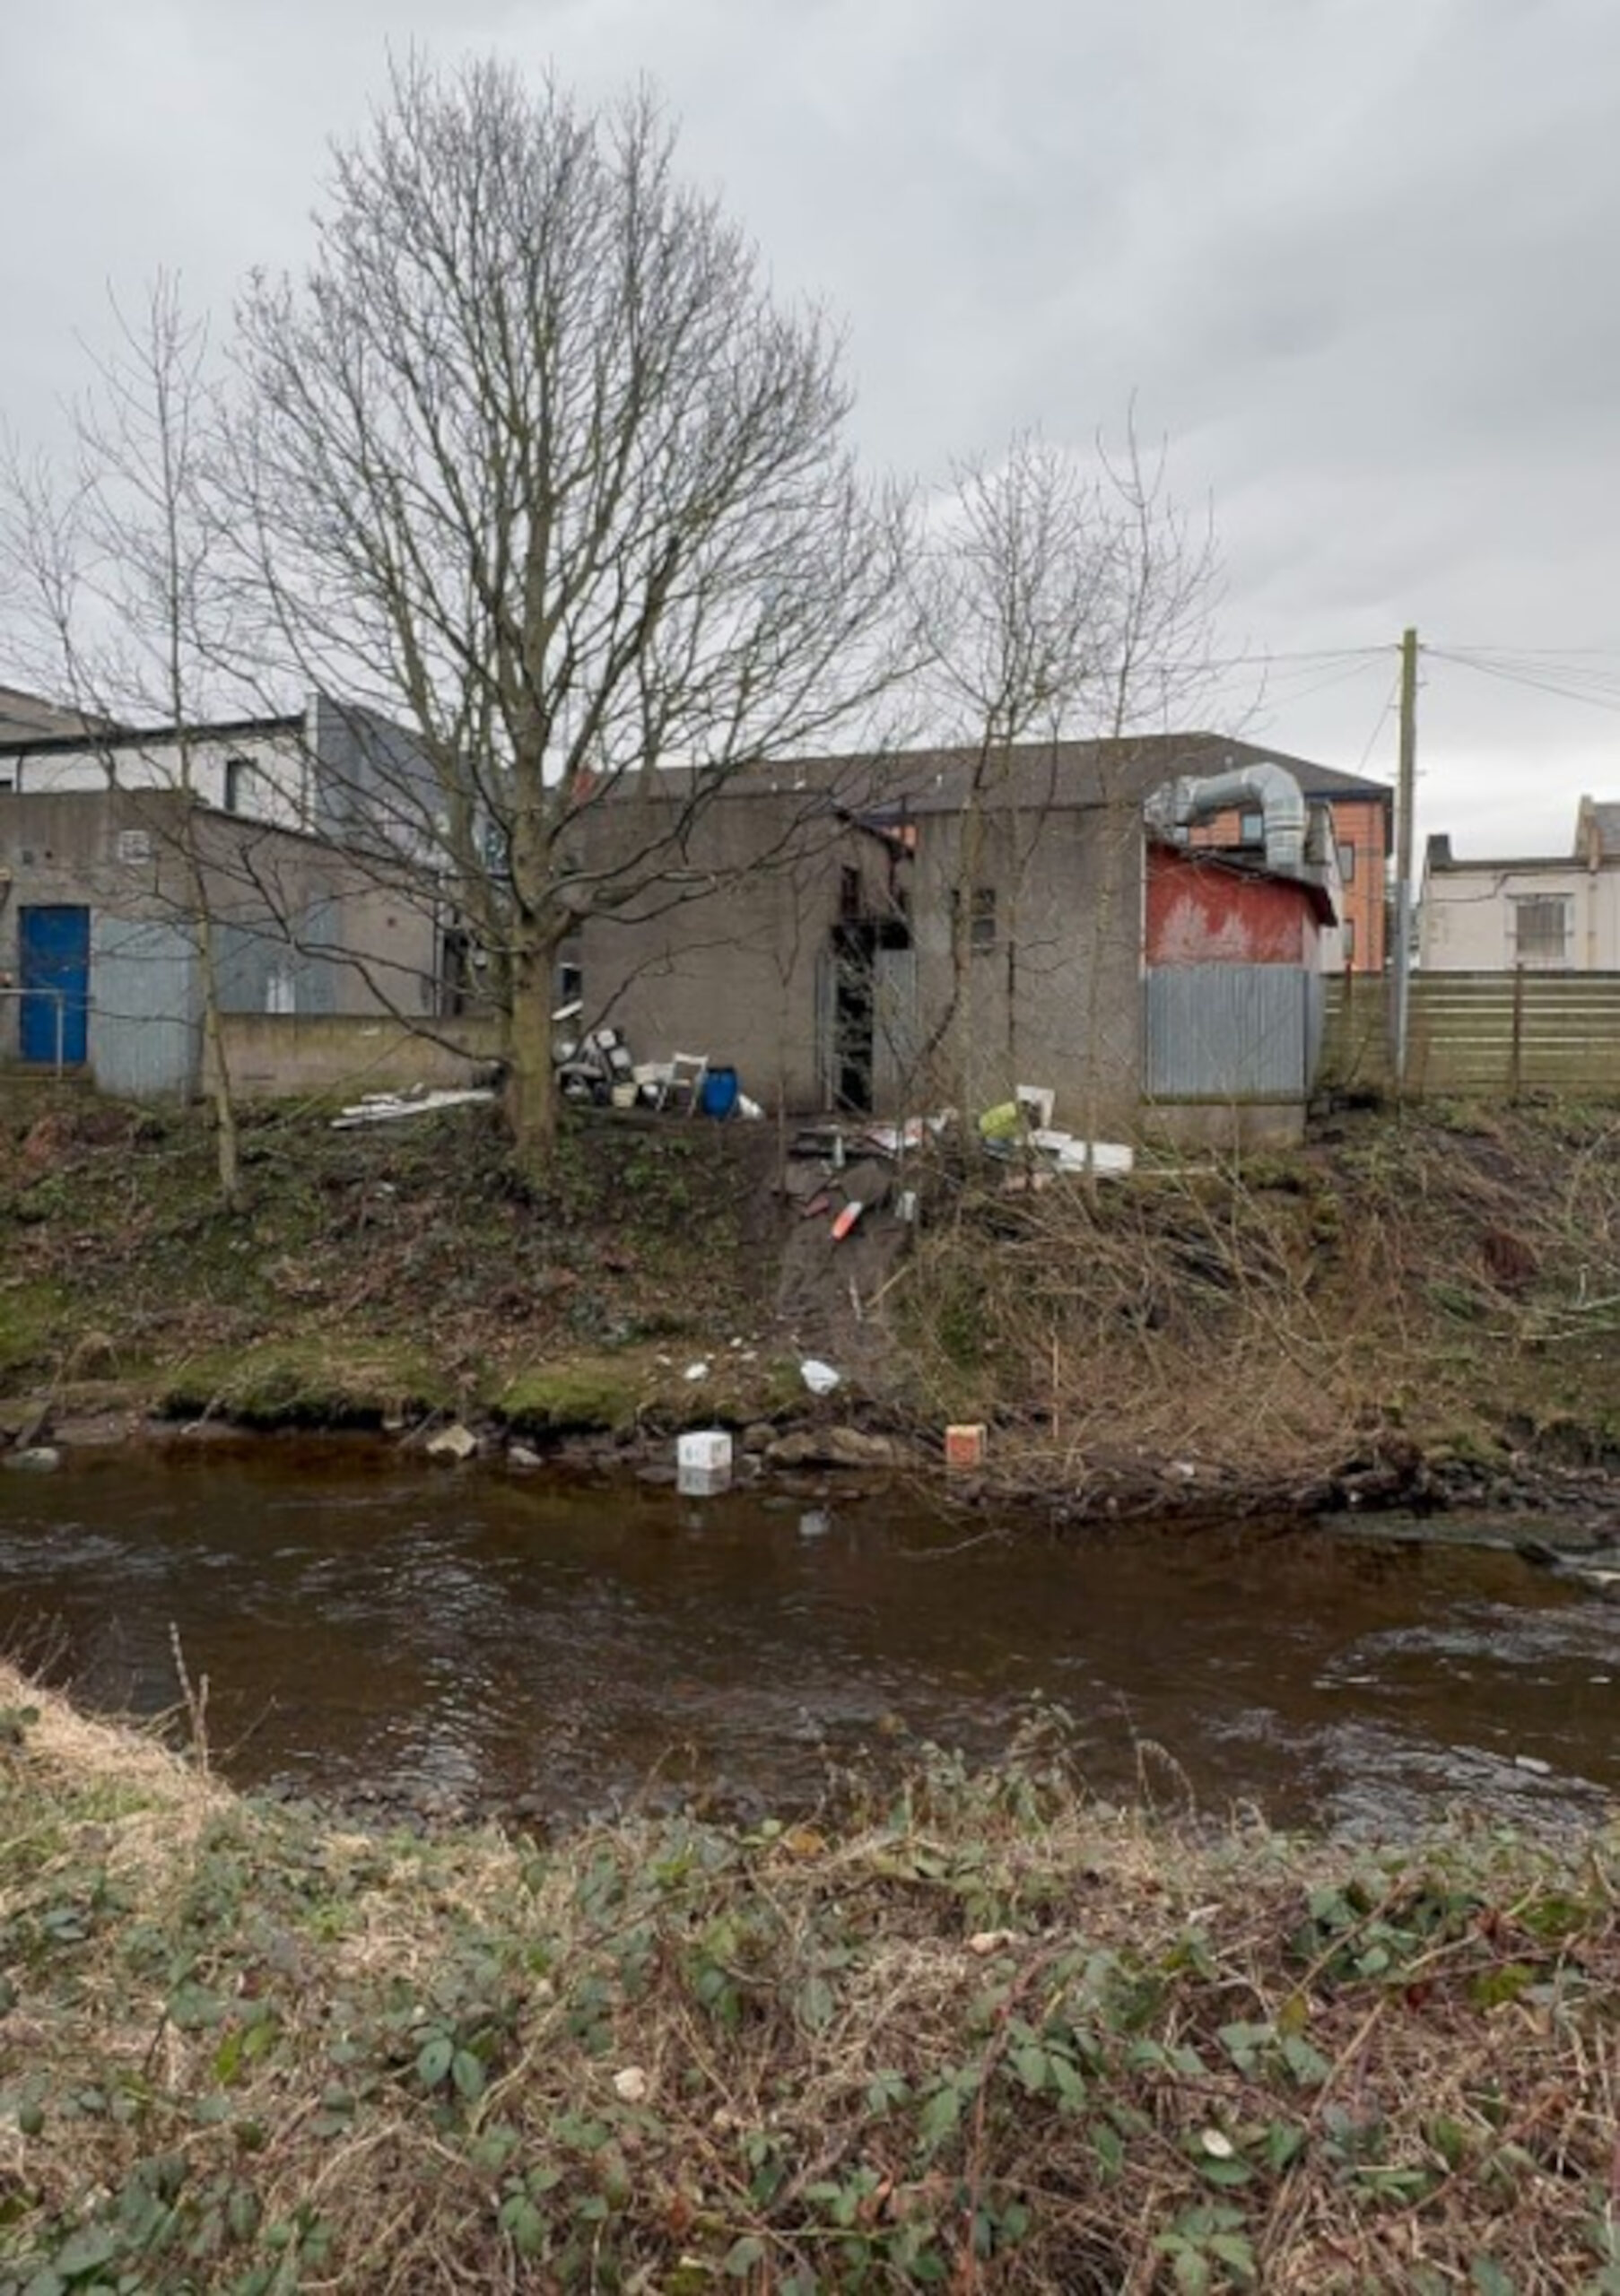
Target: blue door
x=54, y=953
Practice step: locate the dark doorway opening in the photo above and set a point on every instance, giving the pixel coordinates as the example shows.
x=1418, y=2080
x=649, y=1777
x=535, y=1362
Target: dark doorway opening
x=862, y=1001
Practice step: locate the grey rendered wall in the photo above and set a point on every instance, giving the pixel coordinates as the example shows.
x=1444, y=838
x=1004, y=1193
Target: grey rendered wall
x=373, y=783
x=736, y=974
x=298, y=915
x=259, y=966
x=1056, y=1000
x=732, y=973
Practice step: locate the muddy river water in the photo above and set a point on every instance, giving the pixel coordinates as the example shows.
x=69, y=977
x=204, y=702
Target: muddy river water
x=369, y=1627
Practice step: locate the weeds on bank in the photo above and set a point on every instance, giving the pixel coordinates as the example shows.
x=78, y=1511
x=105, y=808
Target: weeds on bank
x=987, y=2035
x=1186, y=1320
x=1258, y=1323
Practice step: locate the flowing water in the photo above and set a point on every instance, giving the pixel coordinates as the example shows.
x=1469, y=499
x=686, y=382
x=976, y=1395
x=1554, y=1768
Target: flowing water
x=372, y=1628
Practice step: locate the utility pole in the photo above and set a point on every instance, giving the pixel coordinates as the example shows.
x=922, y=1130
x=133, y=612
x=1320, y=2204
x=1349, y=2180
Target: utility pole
x=1403, y=854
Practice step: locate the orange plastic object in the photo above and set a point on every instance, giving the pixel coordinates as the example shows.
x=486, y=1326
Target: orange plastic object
x=964, y=1448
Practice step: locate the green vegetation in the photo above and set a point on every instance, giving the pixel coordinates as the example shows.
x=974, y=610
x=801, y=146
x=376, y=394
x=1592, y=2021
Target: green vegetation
x=316, y=1382
x=397, y=1270
x=638, y=1386
x=982, y=2034
x=36, y=1322
x=1441, y=1286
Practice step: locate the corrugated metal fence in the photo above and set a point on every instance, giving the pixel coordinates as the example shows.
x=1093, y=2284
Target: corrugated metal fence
x=1231, y=1033
x=144, y=1006
x=1485, y=1034
x=147, y=1002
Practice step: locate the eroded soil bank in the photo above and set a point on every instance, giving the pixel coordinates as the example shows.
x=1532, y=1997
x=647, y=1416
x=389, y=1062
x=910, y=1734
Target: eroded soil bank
x=987, y=2034
x=1417, y=1310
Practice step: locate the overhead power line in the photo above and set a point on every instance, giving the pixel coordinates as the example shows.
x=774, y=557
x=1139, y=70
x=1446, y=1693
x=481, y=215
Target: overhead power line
x=1598, y=696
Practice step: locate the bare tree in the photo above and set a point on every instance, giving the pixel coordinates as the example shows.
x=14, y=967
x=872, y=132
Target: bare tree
x=1064, y=602
x=536, y=464
x=114, y=561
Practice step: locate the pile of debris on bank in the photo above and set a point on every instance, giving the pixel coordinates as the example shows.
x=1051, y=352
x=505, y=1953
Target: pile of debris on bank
x=844, y=1169
x=598, y=1070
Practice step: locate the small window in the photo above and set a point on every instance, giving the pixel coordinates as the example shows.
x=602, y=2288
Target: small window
x=237, y=771
x=849, y=894
x=134, y=847
x=1346, y=864
x=1251, y=829
x=1541, y=929
x=1348, y=930
x=982, y=922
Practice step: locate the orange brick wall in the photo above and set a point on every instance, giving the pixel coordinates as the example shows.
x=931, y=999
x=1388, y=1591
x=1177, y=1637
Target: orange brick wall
x=1358, y=823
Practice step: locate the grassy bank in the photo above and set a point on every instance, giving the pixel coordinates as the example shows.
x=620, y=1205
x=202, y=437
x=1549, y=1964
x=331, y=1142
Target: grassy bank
x=1416, y=1305
x=986, y=2035
x=377, y=1277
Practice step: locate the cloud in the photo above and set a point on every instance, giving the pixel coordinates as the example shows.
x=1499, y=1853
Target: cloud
x=1352, y=256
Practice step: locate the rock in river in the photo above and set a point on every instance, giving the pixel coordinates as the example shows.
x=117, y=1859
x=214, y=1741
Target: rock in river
x=833, y=1446
x=36, y=1458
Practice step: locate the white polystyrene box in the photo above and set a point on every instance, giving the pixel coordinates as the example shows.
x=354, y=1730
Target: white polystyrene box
x=709, y=1450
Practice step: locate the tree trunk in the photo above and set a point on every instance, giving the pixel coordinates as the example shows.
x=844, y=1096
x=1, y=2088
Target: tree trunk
x=531, y=1093
x=215, y=1062
x=215, y=1065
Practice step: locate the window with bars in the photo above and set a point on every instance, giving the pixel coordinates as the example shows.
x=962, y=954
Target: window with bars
x=1541, y=929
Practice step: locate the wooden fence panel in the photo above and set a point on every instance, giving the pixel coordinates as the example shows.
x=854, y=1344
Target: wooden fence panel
x=1484, y=1035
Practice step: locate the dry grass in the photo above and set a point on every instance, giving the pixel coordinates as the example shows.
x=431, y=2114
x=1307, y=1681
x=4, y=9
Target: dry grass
x=991, y=2035
x=1249, y=1330
x=1182, y=1334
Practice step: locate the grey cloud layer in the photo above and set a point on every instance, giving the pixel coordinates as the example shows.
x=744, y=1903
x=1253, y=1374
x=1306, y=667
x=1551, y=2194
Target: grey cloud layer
x=1352, y=255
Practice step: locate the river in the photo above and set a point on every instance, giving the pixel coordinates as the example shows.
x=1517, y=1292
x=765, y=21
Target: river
x=372, y=1629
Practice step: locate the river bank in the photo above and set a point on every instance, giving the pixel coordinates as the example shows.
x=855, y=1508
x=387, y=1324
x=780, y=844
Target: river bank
x=988, y=2032
x=1413, y=1312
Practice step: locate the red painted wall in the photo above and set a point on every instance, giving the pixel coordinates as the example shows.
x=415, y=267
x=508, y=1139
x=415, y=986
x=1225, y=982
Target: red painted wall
x=1360, y=825
x=1201, y=913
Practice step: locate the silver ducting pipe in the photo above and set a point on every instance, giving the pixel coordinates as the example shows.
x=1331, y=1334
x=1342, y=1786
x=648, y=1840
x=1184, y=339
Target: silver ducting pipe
x=1180, y=804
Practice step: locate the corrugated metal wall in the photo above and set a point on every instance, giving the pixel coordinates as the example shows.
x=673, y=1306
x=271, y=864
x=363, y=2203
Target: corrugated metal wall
x=145, y=992
x=1232, y=1032
x=144, y=1008
x=260, y=971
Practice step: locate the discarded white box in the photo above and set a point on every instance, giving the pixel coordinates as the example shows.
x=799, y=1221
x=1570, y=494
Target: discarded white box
x=707, y=1452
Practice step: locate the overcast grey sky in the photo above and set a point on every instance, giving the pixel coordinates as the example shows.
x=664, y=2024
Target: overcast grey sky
x=1353, y=257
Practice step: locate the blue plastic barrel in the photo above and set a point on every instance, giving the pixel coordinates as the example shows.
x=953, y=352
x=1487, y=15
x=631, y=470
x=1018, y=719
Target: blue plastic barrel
x=719, y=1092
